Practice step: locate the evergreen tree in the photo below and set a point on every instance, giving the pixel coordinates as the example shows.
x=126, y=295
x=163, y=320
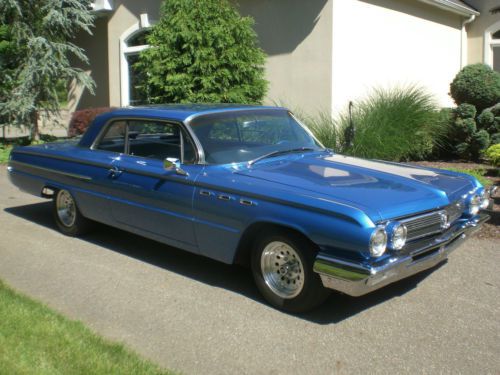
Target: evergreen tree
x=42, y=31
x=8, y=62
x=202, y=51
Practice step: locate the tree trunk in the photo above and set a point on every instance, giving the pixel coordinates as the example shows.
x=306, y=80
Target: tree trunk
x=34, y=131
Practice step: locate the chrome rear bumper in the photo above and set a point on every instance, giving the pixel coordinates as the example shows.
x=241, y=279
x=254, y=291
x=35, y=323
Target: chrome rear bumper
x=357, y=279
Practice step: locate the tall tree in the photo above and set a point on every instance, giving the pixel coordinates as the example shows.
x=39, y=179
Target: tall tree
x=42, y=31
x=202, y=51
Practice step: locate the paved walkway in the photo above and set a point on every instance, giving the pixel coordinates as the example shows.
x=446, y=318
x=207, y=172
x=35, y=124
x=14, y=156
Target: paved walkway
x=201, y=317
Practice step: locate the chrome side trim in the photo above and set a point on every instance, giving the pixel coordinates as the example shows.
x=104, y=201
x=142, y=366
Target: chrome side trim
x=356, y=279
x=14, y=163
x=59, y=157
x=247, y=202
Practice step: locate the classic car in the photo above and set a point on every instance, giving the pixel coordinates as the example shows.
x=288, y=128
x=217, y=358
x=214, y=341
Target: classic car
x=251, y=185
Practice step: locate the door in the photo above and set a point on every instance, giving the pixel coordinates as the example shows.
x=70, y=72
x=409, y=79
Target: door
x=148, y=199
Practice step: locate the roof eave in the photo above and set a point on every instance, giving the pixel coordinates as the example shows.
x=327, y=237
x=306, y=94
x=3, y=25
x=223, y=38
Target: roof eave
x=452, y=7
x=101, y=6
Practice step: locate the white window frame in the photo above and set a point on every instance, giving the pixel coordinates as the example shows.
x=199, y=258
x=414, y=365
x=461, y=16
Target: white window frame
x=489, y=43
x=126, y=51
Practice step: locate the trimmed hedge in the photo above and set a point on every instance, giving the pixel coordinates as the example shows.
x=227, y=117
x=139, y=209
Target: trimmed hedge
x=478, y=85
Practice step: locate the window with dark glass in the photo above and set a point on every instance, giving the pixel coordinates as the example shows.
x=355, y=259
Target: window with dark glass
x=245, y=135
x=496, y=35
x=139, y=39
x=114, y=137
x=148, y=139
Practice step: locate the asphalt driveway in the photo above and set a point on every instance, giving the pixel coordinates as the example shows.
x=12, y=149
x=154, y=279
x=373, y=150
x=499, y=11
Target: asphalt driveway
x=201, y=317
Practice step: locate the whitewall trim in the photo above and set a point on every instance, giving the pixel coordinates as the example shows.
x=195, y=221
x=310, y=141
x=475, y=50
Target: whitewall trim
x=489, y=43
x=125, y=51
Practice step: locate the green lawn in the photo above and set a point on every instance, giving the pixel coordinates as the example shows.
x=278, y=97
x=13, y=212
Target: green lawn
x=36, y=340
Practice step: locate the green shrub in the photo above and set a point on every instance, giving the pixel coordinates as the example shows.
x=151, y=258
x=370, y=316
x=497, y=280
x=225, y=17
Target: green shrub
x=493, y=155
x=402, y=123
x=324, y=128
x=478, y=85
x=466, y=111
x=202, y=52
x=4, y=153
x=472, y=136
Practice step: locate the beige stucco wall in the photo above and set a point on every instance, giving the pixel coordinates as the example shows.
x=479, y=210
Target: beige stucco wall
x=393, y=42
x=126, y=14
x=96, y=50
x=476, y=29
x=297, y=39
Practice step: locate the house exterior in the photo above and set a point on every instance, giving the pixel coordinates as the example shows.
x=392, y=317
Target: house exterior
x=321, y=53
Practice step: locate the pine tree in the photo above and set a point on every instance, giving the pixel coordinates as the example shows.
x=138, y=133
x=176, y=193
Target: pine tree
x=42, y=31
x=202, y=51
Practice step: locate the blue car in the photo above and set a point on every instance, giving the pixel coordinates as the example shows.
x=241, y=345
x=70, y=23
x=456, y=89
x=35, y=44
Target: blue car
x=251, y=185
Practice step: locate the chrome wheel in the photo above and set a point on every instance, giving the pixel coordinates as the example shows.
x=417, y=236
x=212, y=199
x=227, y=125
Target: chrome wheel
x=66, y=209
x=282, y=269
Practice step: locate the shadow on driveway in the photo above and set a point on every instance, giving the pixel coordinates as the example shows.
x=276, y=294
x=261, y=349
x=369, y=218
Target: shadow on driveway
x=234, y=278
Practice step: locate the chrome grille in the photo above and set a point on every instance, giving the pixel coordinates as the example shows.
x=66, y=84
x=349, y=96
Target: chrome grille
x=424, y=225
x=433, y=222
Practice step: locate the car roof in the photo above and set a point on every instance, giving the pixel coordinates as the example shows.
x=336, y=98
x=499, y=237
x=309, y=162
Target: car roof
x=175, y=112
x=181, y=112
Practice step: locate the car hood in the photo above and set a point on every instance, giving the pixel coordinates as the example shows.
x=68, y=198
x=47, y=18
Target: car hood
x=383, y=190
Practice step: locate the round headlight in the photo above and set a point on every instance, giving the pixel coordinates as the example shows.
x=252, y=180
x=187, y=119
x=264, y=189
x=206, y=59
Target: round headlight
x=475, y=204
x=378, y=242
x=397, y=233
x=485, y=200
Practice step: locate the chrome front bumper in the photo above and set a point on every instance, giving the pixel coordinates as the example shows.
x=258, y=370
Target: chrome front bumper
x=356, y=279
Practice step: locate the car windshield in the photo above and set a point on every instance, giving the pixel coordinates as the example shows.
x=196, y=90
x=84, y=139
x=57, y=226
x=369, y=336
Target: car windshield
x=243, y=136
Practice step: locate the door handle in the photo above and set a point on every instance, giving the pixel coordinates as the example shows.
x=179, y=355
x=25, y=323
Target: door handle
x=114, y=172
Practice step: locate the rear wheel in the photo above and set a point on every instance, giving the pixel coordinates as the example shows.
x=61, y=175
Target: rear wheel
x=282, y=266
x=68, y=217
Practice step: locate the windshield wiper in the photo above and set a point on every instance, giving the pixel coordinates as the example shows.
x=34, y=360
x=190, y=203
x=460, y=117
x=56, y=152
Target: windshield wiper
x=280, y=152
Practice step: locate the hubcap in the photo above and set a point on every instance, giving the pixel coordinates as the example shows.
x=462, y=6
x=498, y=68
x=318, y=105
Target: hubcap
x=282, y=269
x=66, y=210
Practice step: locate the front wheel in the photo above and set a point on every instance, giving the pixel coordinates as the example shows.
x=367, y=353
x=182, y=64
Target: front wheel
x=282, y=266
x=68, y=217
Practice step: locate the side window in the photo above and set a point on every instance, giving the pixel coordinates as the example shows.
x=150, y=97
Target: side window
x=158, y=140
x=114, y=138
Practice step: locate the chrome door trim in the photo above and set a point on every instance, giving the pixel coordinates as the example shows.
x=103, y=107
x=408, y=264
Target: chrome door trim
x=51, y=170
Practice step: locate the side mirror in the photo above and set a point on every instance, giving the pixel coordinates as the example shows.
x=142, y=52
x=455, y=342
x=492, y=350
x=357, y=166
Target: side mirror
x=174, y=165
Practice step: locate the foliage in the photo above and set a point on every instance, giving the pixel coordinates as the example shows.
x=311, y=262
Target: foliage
x=324, y=127
x=471, y=135
x=42, y=32
x=466, y=111
x=478, y=85
x=37, y=340
x=401, y=123
x=478, y=173
x=202, y=51
x=4, y=153
x=8, y=62
x=493, y=155
x=81, y=120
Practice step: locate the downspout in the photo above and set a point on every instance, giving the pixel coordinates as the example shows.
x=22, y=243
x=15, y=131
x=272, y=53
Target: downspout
x=463, y=40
